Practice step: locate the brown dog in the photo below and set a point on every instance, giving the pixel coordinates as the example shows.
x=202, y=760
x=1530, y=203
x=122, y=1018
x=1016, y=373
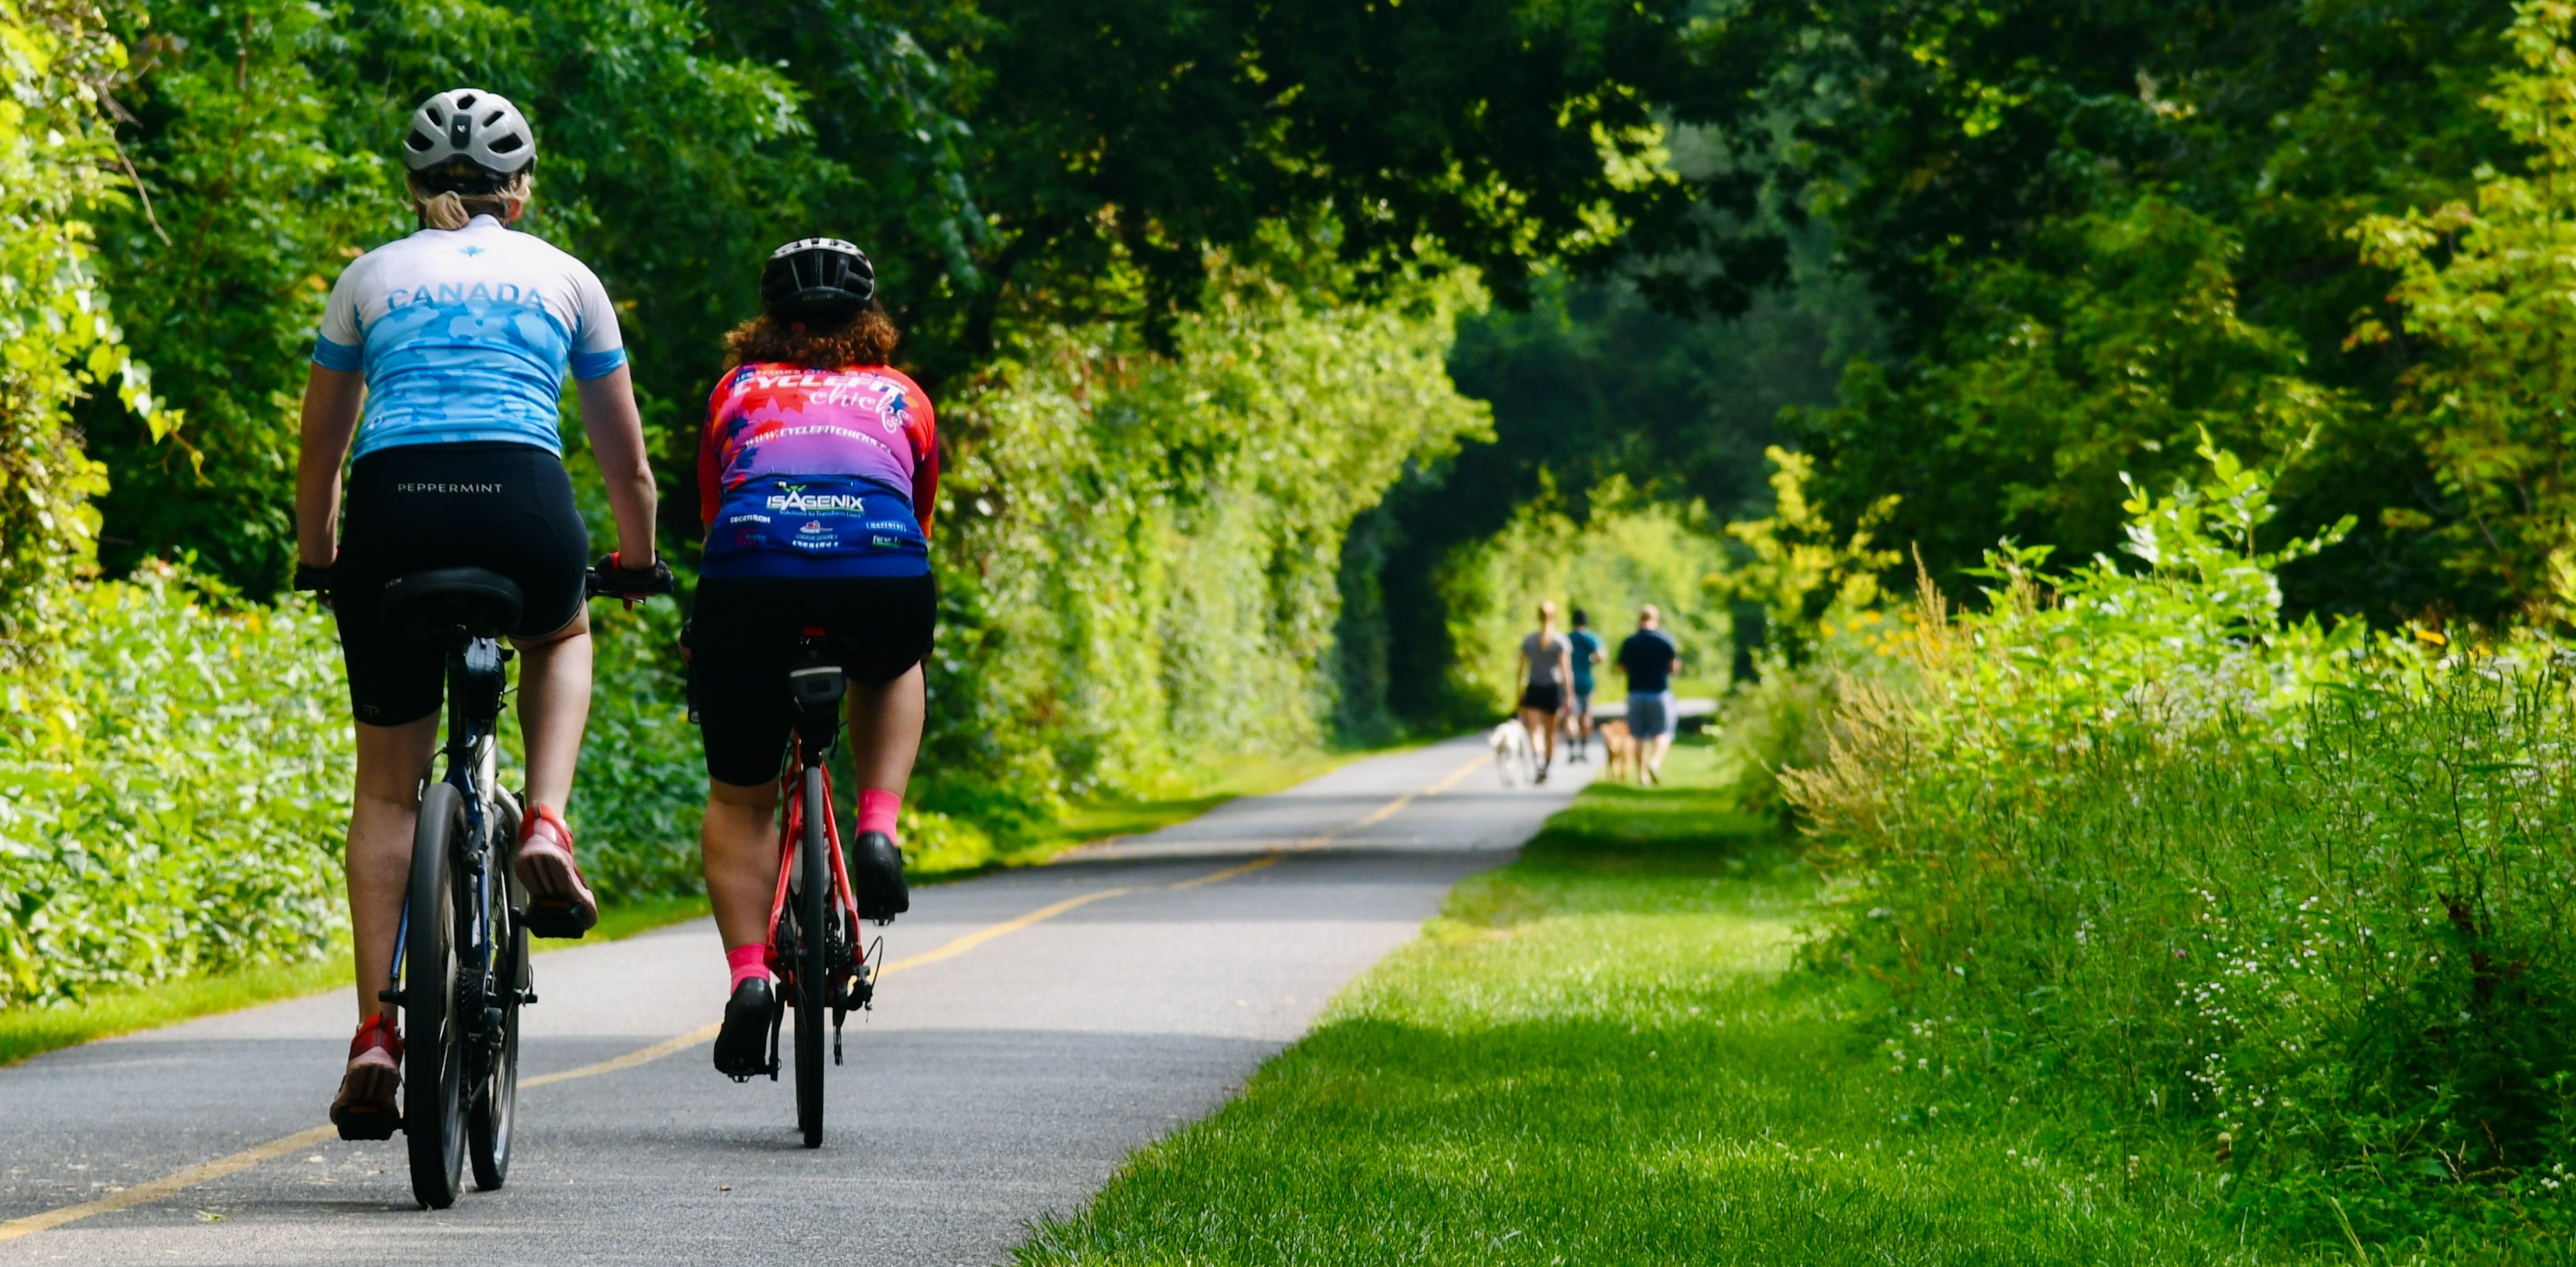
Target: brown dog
x=1621, y=748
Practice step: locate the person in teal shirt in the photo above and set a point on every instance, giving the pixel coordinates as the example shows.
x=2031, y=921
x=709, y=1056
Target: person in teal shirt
x=1587, y=652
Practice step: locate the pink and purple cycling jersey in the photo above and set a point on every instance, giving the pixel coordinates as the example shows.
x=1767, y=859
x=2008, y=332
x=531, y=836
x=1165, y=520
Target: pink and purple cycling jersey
x=812, y=472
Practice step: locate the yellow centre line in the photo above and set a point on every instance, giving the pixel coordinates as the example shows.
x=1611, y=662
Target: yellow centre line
x=167, y=1184
x=221, y=1167
x=707, y=1033
x=1376, y=816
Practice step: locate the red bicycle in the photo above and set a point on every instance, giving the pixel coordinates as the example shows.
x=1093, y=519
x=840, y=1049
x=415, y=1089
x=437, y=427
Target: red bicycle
x=814, y=945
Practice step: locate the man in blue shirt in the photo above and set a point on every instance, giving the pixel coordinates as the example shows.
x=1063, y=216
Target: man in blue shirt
x=1650, y=659
x=1586, y=652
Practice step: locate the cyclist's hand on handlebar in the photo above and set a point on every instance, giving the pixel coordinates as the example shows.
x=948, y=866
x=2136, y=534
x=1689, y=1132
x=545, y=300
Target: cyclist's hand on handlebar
x=633, y=585
x=314, y=580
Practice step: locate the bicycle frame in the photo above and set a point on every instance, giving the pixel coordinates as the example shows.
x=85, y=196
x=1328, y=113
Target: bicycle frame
x=791, y=826
x=820, y=690
x=475, y=684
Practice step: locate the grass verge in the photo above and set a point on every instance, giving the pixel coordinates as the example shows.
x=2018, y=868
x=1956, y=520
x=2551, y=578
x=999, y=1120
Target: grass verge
x=1598, y=1055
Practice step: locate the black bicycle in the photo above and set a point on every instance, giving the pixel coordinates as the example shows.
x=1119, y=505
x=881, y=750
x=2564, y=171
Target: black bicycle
x=461, y=970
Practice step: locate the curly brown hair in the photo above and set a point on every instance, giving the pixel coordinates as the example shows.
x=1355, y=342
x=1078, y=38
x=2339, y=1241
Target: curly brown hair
x=866, y=339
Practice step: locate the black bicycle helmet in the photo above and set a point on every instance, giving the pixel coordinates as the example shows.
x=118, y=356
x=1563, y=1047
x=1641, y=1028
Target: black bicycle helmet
x=818, y=281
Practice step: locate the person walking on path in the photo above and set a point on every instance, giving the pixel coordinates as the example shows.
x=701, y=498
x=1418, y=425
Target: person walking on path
x=1585, y=651
x=1546, y=666
x=1650, y=659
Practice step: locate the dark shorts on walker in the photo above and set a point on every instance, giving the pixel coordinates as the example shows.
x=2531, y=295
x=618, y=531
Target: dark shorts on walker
x=1543, y=698
x=743, y=629
x=1650, y=714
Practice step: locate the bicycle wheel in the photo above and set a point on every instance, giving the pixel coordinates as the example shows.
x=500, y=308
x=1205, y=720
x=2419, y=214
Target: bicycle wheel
x=495, y=1107
x=813, y=948
x=433, y=1058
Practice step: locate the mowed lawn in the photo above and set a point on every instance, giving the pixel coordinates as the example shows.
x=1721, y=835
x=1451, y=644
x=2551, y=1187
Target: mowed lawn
x=1598, y=1055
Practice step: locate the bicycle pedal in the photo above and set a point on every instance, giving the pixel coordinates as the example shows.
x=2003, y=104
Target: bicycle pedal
x=369, y=1125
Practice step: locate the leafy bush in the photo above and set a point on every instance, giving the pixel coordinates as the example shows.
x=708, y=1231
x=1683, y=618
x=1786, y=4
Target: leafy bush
x=2242, y=892
x=1823, y=630
x=56, y=339
x=2483, y=292
x=1140, y=555
x=173, y=792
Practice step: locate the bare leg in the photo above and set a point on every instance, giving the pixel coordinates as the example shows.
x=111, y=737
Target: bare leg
x=885, y=730
x=738, y=843
x=739, y=847
x=1655, y=763
x=554, y=707
x=391, y=761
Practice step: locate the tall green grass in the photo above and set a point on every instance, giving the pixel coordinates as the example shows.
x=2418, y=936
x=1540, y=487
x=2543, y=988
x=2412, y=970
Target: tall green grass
x=2286, y=908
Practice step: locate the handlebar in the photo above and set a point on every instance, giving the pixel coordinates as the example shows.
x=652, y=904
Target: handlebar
x=610, y=580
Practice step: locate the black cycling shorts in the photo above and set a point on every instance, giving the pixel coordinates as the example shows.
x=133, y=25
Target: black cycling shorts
x=1543, y=697
x=744, y=629
x=506, y=507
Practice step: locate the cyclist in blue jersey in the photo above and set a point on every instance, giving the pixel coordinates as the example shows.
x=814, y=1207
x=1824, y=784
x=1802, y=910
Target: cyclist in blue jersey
x=442, y=355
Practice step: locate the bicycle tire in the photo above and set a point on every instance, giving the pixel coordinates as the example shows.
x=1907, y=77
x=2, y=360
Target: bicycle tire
x=494, y=1114
x=433, y=1058
x=813, y=949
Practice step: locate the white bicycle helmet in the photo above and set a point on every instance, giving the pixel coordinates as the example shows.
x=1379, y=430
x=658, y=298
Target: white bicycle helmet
x=469, y=141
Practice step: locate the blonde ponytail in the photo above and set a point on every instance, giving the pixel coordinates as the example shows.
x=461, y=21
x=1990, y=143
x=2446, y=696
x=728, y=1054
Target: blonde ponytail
x=451, y=211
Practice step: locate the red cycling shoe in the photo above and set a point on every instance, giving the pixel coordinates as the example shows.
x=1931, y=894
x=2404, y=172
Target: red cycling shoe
x=559, y=903
x=364, y=1109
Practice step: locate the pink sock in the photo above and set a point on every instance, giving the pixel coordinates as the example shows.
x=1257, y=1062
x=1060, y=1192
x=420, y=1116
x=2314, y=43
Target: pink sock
x=877, y=810
x=747, y=962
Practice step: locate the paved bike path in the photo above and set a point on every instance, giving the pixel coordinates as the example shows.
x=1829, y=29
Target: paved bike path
x=1007, y=1069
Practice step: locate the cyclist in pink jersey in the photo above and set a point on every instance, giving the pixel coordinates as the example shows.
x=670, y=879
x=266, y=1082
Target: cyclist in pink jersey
x=817, y=475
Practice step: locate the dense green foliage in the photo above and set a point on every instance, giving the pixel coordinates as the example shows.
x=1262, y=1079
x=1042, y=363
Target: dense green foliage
x=56, y=338
x=1142, y=555
x=2094, y=231
x=172, y=792
x=2484, y=293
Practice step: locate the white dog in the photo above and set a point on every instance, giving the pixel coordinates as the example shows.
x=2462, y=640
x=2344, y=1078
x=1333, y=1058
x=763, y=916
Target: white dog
x=1512, y=756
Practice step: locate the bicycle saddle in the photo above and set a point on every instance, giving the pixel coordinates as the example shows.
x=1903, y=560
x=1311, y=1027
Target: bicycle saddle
x=429, y=604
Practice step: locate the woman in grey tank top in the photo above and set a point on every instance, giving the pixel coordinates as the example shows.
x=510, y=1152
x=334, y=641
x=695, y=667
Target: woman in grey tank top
x=1546, y=666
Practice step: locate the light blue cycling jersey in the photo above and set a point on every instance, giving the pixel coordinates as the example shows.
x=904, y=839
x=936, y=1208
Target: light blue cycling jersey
x=465, y=335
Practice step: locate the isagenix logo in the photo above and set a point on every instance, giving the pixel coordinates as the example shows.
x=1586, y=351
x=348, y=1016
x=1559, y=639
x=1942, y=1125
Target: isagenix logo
x=799, y=502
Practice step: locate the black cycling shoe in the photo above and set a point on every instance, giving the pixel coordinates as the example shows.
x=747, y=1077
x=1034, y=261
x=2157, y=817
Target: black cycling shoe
x=742, y=1048
x=876, y=877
